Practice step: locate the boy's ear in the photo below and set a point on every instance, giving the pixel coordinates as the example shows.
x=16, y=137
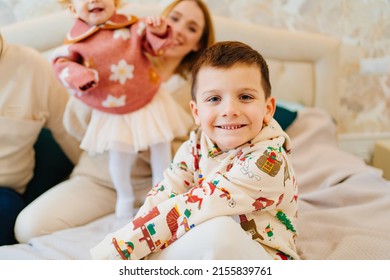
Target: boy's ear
x=195, y=112
x=270, y=108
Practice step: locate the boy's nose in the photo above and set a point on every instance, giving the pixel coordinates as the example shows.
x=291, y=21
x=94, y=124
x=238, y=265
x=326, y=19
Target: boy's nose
x=230, y=109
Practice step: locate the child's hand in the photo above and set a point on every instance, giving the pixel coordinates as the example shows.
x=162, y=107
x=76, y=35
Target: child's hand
x=88, y=86
x=92, y=82
x=157, y=25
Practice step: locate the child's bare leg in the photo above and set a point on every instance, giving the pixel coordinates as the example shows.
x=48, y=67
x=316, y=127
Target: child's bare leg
x=120, y=165
x=160, y=159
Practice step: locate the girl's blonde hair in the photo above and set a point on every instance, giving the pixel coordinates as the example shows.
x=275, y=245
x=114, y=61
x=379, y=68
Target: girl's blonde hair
x=207, y=39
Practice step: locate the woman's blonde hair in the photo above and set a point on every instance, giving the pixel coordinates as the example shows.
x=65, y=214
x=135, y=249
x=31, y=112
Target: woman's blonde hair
x=65, y=3
x=207, y=39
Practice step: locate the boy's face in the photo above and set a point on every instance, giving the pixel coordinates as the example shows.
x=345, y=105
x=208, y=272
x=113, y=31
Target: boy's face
x=93, y=12
x=231, y=106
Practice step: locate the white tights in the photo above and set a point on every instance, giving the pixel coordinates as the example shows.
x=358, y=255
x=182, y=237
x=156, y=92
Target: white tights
x=160, y=159
x=120, y=166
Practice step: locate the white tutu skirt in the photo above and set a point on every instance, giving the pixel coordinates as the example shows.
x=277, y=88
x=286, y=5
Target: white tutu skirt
x=161, y=120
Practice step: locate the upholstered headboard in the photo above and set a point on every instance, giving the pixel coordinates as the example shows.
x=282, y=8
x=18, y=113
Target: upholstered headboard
x=304, y=67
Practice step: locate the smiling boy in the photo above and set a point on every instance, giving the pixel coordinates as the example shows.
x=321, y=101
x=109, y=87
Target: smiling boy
x=230, y=99
x=236, y=164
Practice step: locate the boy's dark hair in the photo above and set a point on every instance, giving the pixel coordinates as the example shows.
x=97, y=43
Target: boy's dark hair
x=227, y=54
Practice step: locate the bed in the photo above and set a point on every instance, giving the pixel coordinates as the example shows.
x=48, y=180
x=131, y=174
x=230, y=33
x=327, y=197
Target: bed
x=344, y=203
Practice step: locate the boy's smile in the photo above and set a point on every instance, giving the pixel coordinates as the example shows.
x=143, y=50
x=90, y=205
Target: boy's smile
x=231, y=107
x=231, y=126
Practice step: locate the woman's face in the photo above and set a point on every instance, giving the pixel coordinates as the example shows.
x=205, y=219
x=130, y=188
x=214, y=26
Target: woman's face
x=187, y=21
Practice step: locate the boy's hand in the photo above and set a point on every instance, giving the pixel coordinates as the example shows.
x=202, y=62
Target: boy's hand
x=157, y=25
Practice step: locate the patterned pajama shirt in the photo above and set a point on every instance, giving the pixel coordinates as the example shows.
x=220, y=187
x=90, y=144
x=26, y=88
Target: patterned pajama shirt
x=255, y=182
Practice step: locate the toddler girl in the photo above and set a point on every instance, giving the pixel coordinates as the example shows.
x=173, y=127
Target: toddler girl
x=106, y=64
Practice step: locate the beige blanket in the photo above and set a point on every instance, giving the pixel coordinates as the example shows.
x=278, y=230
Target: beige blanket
x=344, y=204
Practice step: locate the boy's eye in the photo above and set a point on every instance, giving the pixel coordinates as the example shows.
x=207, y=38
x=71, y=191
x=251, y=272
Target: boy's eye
x=213, y=99
x=246, y=97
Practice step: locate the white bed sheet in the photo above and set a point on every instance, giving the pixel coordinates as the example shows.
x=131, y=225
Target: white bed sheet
x=344, y=204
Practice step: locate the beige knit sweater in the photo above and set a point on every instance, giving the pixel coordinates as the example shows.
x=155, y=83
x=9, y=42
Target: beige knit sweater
x=30, y=98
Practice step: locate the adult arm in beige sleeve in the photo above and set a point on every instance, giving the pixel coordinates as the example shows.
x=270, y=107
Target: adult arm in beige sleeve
x=76, y=118
x=58, y=97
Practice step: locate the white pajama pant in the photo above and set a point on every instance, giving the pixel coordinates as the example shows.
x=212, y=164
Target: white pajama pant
x=89, y=195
